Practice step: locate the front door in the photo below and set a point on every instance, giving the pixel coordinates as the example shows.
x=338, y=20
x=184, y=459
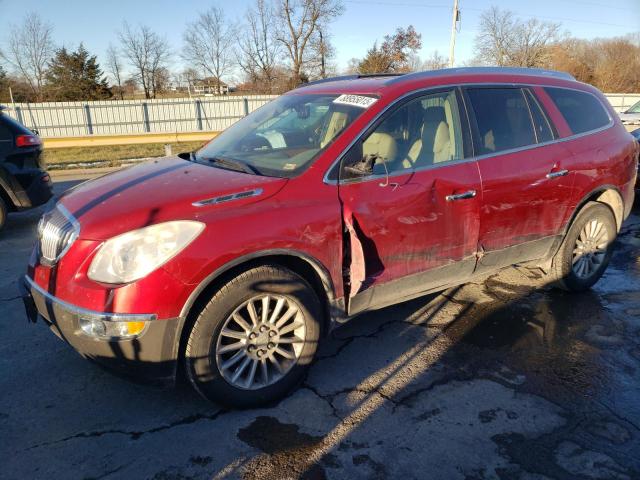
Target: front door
x=410, y=199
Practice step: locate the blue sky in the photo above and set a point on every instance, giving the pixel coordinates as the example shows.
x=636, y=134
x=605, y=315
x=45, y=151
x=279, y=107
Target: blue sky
x=95, y=23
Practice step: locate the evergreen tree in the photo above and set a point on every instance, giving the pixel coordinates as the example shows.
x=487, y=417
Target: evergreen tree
x=4, y=85
x=75, y=75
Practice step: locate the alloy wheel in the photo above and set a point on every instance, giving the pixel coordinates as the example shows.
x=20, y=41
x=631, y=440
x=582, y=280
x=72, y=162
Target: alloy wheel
x=590, y=249
x=261, y=341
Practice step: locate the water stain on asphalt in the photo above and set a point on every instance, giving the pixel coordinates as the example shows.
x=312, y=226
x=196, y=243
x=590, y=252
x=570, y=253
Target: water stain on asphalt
x=286, y=447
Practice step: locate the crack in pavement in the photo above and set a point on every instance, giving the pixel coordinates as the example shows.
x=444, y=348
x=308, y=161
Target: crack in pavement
x=10, y=299
x=134, y=435
x=110, y=472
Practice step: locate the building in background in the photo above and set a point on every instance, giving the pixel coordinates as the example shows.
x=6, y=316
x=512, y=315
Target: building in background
x=209, y=86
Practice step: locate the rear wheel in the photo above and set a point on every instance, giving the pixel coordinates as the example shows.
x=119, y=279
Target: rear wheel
x=255, y=339
x=3, y=213
x=586, y=250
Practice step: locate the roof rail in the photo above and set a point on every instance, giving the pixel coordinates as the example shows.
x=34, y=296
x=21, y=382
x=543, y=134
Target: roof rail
x=539, y=72
x=350, y=77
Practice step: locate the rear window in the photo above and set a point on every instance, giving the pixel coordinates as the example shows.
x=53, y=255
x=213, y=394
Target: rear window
x=5, y=133
x=503, y=119
x=582, y=111
x=13, y=126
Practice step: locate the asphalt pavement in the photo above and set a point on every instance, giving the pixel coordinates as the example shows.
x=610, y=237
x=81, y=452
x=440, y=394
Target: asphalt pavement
x=504, y=379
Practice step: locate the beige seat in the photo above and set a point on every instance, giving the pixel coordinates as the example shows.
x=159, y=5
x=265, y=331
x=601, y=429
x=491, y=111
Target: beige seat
x=442, y=144
x=382, y=145
x=336, y=124
x=434, y=144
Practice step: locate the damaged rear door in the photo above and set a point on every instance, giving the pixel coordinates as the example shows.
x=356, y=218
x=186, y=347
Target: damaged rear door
x=410, y=203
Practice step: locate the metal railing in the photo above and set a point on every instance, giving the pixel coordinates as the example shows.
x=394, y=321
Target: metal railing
x=622, y=101
x=126, y=117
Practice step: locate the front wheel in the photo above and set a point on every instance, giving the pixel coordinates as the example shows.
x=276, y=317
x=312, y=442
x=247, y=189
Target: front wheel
x=256, y=337
x=586, y=250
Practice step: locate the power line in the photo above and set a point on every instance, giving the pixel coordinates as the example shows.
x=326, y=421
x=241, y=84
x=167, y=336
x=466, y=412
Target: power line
x=395, y=4
x=564, y=19
x=595, y=4
x=546, y=17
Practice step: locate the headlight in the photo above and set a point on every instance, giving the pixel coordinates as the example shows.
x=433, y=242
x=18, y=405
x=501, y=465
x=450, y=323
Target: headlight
x=135, y=254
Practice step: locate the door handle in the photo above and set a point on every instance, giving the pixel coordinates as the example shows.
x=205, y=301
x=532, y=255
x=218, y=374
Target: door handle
x=461, y=196
x=559, y=173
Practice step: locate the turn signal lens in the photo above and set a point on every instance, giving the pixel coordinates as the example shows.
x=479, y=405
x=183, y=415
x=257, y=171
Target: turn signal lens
x=111, y=330
x=134, y=328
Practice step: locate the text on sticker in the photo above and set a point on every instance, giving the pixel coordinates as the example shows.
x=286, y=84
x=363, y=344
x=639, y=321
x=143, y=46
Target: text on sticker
x=355, y=100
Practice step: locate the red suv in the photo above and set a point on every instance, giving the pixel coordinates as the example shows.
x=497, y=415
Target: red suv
x=340, y=197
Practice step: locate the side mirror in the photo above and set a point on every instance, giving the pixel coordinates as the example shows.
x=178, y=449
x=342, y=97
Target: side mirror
x=379, y=167
x=363, y=167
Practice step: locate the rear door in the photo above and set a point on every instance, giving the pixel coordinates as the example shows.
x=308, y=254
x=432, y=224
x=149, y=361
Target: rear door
x=526, y=186
x=412, y=225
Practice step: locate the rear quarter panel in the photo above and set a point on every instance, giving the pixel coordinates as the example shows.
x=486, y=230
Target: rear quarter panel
x=601, y=159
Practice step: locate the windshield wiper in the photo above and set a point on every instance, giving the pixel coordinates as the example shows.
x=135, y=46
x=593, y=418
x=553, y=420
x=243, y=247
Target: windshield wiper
x=232, y=164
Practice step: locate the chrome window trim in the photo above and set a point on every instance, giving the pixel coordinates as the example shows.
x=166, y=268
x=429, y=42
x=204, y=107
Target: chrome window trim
x=88, y=314
x=426, y=90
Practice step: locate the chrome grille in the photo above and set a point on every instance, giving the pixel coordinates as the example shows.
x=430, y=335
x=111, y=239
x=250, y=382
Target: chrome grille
x=57, y=230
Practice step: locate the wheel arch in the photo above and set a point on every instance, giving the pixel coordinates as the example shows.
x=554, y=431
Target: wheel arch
x=606, y=194
x=10, y=200
x=301, y=263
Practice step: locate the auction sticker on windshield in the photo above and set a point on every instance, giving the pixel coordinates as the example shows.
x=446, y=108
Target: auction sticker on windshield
x=355, y=100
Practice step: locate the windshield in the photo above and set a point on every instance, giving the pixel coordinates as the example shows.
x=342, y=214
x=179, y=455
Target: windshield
x=284, y=136
x=635, y=108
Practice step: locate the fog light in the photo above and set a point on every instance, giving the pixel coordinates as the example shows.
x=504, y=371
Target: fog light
x=111, y=330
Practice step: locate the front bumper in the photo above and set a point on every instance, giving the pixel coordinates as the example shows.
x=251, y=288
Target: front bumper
x=151, y=356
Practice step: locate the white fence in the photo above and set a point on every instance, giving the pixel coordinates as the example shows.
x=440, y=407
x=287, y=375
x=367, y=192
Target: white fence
x=171, y=115
x=122, y=117
x=622, y=101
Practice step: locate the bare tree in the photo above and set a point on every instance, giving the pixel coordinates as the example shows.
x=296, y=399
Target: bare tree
x=616, y=64
x=298, y=23
x=29, y=49
x=209, y=42
x=504, y=40
x=114, y=67
x=321, y=54
x=435, y=61
x=147, y=53
x=258, y=50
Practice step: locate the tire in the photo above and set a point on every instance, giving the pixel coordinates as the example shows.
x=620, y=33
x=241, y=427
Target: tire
x=586, y=249
x=220, y=345
x=3, y=213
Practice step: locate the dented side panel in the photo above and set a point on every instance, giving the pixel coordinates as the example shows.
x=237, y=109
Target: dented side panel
x=407, y=227
x=521, y=203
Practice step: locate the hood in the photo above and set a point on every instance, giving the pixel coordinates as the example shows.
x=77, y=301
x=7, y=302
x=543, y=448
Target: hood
x=159, y=191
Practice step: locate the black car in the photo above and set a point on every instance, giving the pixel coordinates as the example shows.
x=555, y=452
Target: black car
x=24, y=182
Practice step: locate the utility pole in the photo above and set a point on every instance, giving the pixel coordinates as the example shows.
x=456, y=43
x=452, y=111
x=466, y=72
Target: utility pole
x=323, y=73
x=454, y=22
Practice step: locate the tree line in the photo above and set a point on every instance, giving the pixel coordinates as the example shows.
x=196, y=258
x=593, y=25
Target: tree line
x=279, y=44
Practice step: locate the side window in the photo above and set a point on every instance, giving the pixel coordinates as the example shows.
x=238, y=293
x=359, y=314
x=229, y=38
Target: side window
x=541, y=124
x=424, y=131
x=503, y=119
x=582, y=111
x=5, y=133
